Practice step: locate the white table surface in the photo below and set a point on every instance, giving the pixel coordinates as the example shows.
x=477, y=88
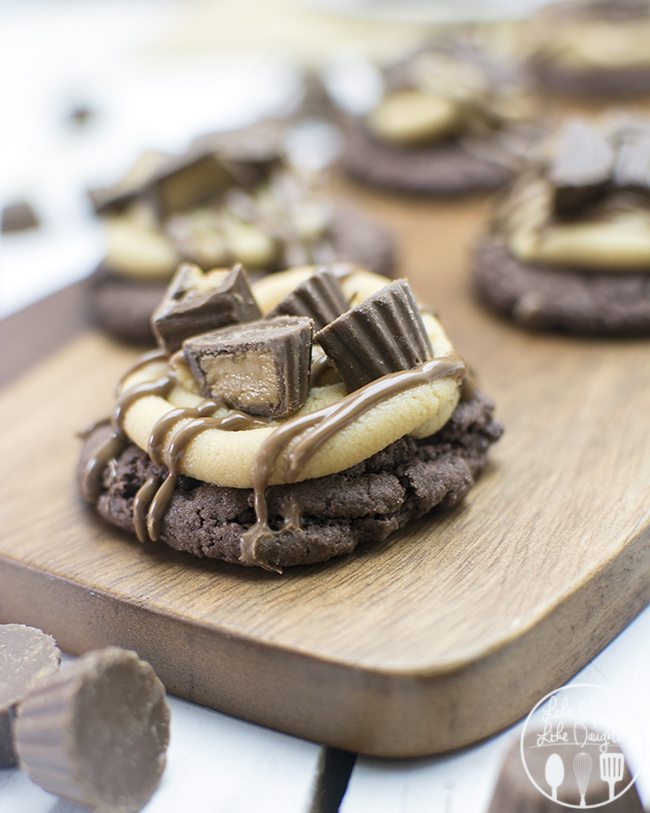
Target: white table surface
x=215, y=763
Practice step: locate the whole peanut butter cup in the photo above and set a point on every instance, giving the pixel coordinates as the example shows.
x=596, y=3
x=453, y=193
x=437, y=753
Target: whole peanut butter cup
x=27, y=656
x=97, y=732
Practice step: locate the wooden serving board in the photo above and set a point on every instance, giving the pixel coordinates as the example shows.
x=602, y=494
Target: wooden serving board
x=450, y=632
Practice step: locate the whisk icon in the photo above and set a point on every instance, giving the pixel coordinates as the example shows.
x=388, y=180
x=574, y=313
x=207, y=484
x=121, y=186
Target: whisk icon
x=582, y=765
x=612, y=767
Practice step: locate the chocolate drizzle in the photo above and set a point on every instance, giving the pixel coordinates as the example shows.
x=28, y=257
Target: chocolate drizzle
x=152, y=500
x=143, y=361
x=318, y=427
x=141, y=504
x=111, y=448
x=296, y=441
x=320, y=366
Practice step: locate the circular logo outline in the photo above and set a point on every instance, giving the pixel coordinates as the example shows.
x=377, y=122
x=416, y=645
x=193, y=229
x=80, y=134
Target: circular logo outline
x=540, y=703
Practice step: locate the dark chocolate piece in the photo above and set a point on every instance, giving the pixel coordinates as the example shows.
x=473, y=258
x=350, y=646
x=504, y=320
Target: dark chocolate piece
x=197, y=301
x=81, y=114
x=190, y=180
x=260, y=145
x=581, y=167
x=381, y=335
x=320, y=297
x=632, y=167
x=97, y=732
x=27, y=656
x=18, y=216
x=116, y=197
x=262, y=368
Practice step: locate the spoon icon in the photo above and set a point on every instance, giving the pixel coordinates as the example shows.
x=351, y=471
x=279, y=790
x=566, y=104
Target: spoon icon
x=554, y=774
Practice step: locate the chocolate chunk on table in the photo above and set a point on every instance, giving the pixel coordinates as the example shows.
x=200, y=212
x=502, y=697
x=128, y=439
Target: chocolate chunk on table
x=262, y=368
x=97, y=732
x=581, y=167
x=18, y=216
x=27, y=656
x=320, y=297
x=198, y=301
x=381, y=335
x=80, y=114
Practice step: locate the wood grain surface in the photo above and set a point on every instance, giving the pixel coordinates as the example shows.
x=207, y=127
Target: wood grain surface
x=427, y=643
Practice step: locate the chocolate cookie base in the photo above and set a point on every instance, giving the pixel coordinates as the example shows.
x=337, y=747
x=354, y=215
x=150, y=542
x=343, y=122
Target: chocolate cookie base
x=593, y=83
x=562, y=299
x=366, y=503
x=444, y=170
x=122, y=306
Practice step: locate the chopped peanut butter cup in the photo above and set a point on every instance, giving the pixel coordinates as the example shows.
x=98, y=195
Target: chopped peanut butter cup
x=320, y=297
x=118, y=196
x=632, y=168
x=187, y=181
x=381, y=335
x=582, y=166
x=198, y=301
x=262, y=368
x=18, y=216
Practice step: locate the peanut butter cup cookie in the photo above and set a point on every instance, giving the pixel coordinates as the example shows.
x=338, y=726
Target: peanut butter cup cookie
x=569, y=247
x=287, y=421
x=593, y=48
x=451, y=121
x=227, y=199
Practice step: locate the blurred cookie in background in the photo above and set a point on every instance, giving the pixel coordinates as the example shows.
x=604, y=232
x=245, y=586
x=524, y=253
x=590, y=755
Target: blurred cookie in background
x=232, y=197
x=568, y=247
x=597, y=49
x=452, y=120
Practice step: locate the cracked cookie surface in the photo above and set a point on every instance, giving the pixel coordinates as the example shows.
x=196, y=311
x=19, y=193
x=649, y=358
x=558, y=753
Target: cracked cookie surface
x=365, y=503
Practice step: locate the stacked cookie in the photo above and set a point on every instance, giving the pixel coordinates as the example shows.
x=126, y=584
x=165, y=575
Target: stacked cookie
x=232, y=197
x=592, y=48
x=569, y=246
x=451, y=121
x=287, y=421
